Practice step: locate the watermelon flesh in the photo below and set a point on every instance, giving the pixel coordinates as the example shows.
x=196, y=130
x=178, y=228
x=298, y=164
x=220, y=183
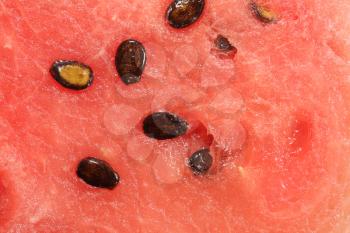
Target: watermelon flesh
x=275, y=118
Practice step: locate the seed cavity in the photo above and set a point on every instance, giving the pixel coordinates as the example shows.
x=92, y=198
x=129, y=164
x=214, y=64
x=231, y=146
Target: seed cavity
x=224, y=45
x=263, y=13
x=164, y=125
x=182, y=13
x=200, y=161
x=97, y=173
x=72, y=74
x=130, y=61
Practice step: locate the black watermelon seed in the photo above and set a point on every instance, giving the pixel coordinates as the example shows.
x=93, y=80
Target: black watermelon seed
x=130, y=61
x=72, y=74
x=200, y=161
x=97, y=173
x=262, y=13
x=164, y=125
x=223, y=44
x=182, y=13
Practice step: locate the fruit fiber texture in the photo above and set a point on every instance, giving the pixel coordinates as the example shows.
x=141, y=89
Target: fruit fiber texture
x=275, y=117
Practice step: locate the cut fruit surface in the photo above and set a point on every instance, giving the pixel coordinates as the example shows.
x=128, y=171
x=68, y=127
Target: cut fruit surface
x=275, y=117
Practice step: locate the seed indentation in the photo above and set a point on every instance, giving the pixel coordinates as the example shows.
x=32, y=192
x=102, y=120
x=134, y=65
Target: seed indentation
x=224, y=45
x=263, y=13
x=97, y=173
x=182, y=13
x=164, y=125
x=130, y=61
x=200, y=161
x=72, y=74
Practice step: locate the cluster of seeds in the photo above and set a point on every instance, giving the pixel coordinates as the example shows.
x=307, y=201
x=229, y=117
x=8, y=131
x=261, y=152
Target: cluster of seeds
x=130, y=61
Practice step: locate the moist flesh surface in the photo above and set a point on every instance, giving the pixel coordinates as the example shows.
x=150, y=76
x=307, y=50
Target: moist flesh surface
x=275, y=117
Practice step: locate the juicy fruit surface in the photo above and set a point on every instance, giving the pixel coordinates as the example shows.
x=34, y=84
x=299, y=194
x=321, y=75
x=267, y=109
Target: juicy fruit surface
x=277, y=115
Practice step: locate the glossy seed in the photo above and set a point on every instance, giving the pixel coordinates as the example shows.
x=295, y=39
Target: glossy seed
x=262, y=13
x=200, y=161
x=223, y=44
x=164, y=125
x=72, y=74
x=182, y=13
x=97, y=173
x=130, y=61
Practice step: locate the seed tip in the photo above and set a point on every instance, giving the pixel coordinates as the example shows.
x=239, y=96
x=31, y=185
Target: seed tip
x=263, y=13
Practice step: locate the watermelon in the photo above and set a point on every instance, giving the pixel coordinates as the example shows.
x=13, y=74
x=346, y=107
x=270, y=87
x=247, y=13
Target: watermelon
x=262, y=86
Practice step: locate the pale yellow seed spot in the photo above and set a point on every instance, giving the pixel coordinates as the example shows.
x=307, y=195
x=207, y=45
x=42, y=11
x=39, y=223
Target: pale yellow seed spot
x=75, y=74
x=241, y=171
x=263, y=13
x=105, y=150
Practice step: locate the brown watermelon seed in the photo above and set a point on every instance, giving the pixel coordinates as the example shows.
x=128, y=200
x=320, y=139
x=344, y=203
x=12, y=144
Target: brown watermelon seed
x=130, y=61
x=182, y=13
x=72, y=74
x=97, y=173
x=164, y=125
x=262, y=13
x=224, y=45
x=200, y=161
